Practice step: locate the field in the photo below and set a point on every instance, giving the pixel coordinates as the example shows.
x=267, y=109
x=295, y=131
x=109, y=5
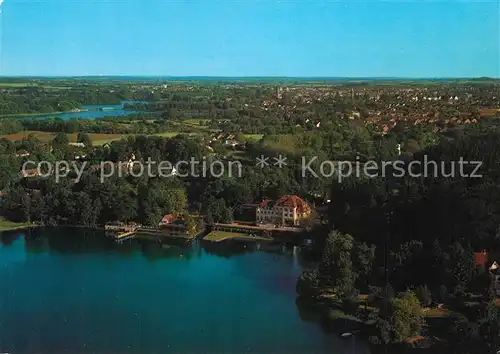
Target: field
x=97, y=139
x=489, y=112
x=172, y=134
x=254, y=137
x=25, y=84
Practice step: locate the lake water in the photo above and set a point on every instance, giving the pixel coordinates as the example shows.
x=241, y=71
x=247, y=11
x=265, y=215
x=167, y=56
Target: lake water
x=93, y=112
x=67, y=291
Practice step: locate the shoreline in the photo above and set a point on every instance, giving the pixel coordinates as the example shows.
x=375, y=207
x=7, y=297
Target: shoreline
x=20, y=226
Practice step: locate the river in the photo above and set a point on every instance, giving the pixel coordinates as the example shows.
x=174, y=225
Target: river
x=67, y=291
x=92, y=112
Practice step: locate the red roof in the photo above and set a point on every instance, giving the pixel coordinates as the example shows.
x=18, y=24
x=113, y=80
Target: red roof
x=481, y=258
x=293, y=201
x=168, y=219
x=264, y=203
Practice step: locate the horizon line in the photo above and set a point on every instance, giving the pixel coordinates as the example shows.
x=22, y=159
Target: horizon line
x=254, y=77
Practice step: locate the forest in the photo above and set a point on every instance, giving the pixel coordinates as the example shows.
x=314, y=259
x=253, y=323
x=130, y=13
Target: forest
x=402, y=244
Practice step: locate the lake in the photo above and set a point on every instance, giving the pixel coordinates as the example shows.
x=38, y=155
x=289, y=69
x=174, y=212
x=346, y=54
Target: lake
x=92, y=112
x=73, y=291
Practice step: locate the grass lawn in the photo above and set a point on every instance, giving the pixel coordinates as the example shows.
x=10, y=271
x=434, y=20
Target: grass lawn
x=437, y=313
x=218, y=236
x=101, y=139
x=169, y=134
x=254, y=137
x=6, y=225
x=196, y=122
x=15, y=84
x=239, y=155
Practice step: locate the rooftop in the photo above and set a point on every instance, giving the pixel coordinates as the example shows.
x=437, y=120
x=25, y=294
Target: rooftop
x=293, y=201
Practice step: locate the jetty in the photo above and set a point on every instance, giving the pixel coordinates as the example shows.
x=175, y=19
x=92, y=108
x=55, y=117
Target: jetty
x=121, y=231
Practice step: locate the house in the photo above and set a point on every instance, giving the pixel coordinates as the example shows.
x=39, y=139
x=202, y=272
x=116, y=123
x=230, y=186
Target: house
x=177, y=226
x=22, y=153
x=167, y=219
x=481, y=259
x=495, y=277
x=80, y=145
x=288, y=209
x=34, y=172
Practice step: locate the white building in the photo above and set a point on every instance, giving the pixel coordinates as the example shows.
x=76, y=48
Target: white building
x=287, y=210
x=495, y=277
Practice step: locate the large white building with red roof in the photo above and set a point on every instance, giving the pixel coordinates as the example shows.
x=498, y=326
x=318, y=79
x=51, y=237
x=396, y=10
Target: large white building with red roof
x=287, y=210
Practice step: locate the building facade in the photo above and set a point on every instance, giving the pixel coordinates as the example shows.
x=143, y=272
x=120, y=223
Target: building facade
x=495, y=277
x=287, y=210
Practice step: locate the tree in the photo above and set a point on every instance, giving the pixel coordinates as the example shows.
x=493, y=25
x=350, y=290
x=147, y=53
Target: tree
x=85, y=139
x=460, y=334
x=405, y=317
x=459, y=267
x=9, y=167
x=489, y=327
x=443, y=293
x=424, y=295
x=363, y=258
x=308, y=283
x=171, y=113
x=61, y=139
x=118, y=199
x=335, y=269
x=158, y=198
x=191, y=224
x=17, y=205
x=217, y=211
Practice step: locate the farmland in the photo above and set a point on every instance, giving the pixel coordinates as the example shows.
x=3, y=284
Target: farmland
x=97, y=139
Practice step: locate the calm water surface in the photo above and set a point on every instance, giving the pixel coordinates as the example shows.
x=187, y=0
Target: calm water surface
x=67, y=291
x=93, y=112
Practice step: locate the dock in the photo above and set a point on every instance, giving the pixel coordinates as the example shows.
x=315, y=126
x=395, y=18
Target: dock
x=121, y=236
x=122, y=232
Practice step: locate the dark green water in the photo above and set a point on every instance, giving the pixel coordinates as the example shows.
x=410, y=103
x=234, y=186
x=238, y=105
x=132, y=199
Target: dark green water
x=67, y=291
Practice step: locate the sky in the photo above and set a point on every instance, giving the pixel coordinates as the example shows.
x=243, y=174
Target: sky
x=295, y=38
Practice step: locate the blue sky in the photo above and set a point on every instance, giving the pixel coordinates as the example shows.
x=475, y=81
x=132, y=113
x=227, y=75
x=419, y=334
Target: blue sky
x=251, y=38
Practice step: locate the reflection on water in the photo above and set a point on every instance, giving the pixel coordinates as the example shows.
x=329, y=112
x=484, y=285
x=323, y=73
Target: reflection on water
x=92, y=241
x=77, y=291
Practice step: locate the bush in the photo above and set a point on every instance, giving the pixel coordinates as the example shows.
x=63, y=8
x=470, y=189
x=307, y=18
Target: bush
x=308, y=283
x=350, y=305
x=424, y=295
x=443, y=293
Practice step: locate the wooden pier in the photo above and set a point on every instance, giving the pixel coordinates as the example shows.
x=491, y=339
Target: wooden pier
x=120, y=232
x=120, y=236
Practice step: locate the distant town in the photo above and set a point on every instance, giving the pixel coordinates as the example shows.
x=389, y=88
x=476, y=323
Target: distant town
x=404, y=261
